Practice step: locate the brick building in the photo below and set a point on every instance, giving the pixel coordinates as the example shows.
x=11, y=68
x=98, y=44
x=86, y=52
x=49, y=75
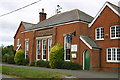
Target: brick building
x=91, y=42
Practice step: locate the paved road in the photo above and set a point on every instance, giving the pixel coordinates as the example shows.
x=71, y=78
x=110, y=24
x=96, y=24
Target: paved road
x=7, y=77
x=75, y=73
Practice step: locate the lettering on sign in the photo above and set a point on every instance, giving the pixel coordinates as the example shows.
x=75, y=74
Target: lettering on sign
x=45, y=32
x=73, y=48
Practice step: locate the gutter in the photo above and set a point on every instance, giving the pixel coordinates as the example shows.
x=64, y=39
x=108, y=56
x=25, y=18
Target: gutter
x=95, y=48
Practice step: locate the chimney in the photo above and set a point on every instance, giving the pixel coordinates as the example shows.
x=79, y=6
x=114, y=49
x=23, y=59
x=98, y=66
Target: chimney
x=42, y=15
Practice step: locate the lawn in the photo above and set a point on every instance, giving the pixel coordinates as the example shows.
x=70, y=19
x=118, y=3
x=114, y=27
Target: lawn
x=30, y=73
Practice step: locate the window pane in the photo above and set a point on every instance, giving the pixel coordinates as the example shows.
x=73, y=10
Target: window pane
x=117, y=31
x=67, y=54
x=38, y=49
x=109, y=54
x=26, y=49
x=50, y=43
x=67, y=47
x=113, y=54
x=38, y=57
x=44, y=54
x=112, y=31
x=100, y=33
x=118, y=54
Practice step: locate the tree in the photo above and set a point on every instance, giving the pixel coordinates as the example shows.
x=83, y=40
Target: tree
x=8, y=49
x=7, y=54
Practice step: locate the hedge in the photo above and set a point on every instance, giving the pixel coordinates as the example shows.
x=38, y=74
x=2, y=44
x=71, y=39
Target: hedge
x=70, y=65
x=41, y=63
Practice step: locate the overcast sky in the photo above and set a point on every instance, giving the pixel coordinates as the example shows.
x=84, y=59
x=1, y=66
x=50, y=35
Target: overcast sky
x=10, y=23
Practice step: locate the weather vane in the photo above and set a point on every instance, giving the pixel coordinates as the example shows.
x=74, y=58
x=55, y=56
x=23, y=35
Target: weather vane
x=58, y=9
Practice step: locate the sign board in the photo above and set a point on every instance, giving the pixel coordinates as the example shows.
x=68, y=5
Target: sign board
x=44, y=32
x=74, y=55
x=73, y=48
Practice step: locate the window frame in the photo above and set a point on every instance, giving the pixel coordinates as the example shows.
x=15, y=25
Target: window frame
x=65, y=48
x=37, y=49
x=115, y=32
x=26, y=40
x=111, y=48
x=49, y=47
x=45, y=49
x=18, y=42
x=100, y=33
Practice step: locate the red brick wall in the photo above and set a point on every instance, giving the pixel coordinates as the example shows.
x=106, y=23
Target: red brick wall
x=20, y=36
x=94, y=55
x=79, y=28
x=30, y=35
x=106, y=19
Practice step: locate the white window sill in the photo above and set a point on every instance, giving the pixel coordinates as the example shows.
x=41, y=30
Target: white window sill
x=44, y=59
x=114, y=61
x=115, y=38
x=99, y=39
x=66, y=60
x=37, y=59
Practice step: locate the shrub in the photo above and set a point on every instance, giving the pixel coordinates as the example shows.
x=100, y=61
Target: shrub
x=10, y=59
x=56, y=55
x=25, y=61
x=70, y=65
x=32, y=63
x=59, y=65
x=19, y=57
x=42, y=63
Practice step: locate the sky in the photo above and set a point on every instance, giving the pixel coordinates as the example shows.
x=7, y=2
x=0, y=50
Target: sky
x=10, y=23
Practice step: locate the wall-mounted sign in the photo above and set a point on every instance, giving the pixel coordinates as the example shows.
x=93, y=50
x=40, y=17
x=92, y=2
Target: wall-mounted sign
x=73, y=48
x=44, y=32
x=74, y=55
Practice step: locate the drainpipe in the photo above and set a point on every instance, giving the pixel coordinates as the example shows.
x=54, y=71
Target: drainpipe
x=100, y=58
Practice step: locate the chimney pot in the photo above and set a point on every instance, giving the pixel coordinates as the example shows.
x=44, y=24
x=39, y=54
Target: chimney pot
x=42, y=10
x=42, y=15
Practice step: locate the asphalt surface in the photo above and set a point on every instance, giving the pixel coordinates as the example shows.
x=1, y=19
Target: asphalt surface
x=75, y=73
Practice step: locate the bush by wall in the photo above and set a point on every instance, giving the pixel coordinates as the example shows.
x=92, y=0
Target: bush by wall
x=56, y=55
x=70, y=65
x=19, y=57
x=25, y=61
x=32, y=63
x=41, y=63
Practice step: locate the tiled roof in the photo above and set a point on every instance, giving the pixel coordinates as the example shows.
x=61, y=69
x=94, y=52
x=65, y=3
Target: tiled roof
x=89, y=42
x=63, y=18
x=117, y=8
x=27, y=25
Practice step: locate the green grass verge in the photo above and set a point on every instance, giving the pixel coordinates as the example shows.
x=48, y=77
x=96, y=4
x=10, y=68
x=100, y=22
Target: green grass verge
x=30, y=73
